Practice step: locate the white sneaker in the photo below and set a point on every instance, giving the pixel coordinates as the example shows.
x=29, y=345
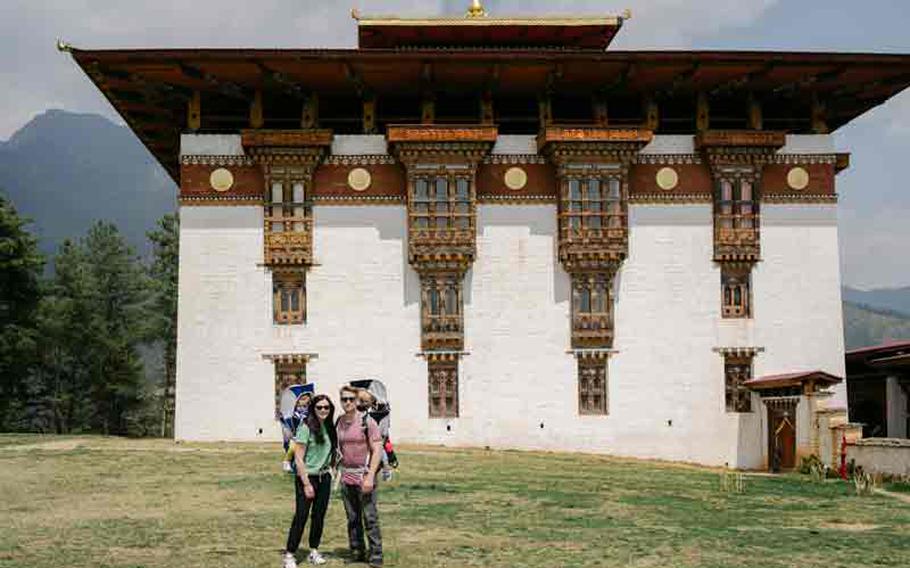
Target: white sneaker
x=286, y=466
x=288, y=560
x=315, y=557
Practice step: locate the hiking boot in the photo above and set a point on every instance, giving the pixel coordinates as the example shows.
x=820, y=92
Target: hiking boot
x=357, y=555
x=288, y=560
x=315, y=558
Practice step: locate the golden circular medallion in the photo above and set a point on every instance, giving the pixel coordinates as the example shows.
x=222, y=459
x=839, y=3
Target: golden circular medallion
x=359, y=179
x=798, y=178
x=221, y=179
x=515, y=178
x=667, y=178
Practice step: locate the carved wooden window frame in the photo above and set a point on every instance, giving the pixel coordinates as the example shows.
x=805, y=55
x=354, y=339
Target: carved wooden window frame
x=737, y=370
x=287, y=373
x=287, y=208
x=442, y=389
x=736, y=199
x=592, y=387
x=735, y=291
x=592, y=302
x=441, y=303
x=441, y=199
x=593, y=199
x=288, y=286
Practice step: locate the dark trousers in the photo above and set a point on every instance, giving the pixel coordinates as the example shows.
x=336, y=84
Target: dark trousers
x=361, y=510
x=322, y=485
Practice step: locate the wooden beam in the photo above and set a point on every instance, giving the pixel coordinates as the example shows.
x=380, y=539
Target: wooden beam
x=754, y=112
x=369, y=115
x=486, y=108
x=544, y=111
x=819, y=116
x=309, y=113
x=702, y=112
x=601, y=115
x=257, y=118
x=194, y=112
x=428, y=110
x=652, y=114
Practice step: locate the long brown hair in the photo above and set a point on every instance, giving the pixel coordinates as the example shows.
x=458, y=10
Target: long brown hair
x=312, y=421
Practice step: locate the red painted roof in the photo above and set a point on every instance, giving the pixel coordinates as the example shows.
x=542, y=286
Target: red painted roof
x=791, y=379
x=895, y=345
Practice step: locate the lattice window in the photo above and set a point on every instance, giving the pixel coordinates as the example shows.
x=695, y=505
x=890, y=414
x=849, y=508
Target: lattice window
x=736, y=291
x=592, y=302
x=287, y=208
x=593, y=202
x=735, y=204
x=443, y=388
x=441, y=303
x=592, y=386
x=441, y=201
x=287, y=374
x=737, y=370
x=289, y=296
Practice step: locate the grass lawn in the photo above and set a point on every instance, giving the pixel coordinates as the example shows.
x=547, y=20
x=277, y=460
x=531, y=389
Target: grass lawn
x=79, y=502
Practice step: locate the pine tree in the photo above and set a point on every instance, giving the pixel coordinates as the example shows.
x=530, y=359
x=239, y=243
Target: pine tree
x=163, y=312
x=20, y=272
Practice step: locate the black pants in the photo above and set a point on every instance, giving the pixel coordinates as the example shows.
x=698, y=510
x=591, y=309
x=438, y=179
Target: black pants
x=322, y=485
x=361, y=510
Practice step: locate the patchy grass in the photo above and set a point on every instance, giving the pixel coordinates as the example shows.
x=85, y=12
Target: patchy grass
x=106, y=502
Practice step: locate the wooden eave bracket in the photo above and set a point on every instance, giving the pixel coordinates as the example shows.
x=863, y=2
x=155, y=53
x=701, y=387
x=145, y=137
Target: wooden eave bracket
x=841, y=162
x=286, y=138
x=764, y=139
x=441, y=133
x=553, y=135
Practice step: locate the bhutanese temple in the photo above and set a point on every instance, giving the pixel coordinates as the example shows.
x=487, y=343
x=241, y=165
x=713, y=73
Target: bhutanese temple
x=535, y=241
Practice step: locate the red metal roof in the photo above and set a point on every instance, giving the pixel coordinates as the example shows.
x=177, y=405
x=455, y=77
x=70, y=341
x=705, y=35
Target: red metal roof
x=888, y=346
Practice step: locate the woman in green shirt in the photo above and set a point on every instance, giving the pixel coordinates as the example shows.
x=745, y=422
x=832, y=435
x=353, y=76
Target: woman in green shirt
x=314, y=455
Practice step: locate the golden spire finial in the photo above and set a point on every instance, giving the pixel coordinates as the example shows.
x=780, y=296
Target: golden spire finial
x=476, y=10
x=64, y=47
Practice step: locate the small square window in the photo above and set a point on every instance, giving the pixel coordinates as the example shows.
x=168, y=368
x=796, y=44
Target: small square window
x=738, y=397
x=592, y=386
x=443, y=388
x=736, y=291
x=289, y=296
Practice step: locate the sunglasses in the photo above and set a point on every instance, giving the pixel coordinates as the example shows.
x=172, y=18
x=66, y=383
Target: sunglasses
x=348, y=399
x=322, y=407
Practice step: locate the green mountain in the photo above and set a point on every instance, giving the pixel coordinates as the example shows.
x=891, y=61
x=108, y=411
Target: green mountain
x=893, y=299
x=65, y=170
x=865, y=325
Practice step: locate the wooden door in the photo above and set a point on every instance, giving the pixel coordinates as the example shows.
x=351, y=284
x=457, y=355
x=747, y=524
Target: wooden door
x=782, y=437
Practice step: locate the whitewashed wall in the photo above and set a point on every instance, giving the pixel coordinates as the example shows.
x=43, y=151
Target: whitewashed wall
x=518, y=385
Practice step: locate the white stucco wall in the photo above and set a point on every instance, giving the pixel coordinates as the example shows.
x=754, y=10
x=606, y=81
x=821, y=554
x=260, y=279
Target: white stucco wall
x=665, y=381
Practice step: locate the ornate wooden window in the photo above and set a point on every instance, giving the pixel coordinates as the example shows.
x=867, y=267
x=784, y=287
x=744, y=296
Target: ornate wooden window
x=736, y=290
x=736, y=207
x=592, y=309
x=592, y=385
x=288, y=373
x=441, y=200
x=441, y=310
x=289, y=296
x=443, y=388
x=737, y=370
x=593, y=201
x=288, y=222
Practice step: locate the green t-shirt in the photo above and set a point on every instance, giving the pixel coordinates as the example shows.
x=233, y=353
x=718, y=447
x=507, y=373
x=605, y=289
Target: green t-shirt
x=318, y=456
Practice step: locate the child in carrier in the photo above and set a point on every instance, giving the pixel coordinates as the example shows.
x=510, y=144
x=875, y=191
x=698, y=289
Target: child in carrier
x=295, y=401
x=372, y=400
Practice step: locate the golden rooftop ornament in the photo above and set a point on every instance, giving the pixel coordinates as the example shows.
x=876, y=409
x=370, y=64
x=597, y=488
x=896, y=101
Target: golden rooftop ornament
x=476, y=10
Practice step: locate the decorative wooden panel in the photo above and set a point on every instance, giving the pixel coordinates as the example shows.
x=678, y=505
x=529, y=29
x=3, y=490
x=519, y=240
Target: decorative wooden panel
x=442, y=388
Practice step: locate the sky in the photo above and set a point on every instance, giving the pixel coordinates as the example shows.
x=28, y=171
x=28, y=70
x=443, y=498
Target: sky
x=874, y=208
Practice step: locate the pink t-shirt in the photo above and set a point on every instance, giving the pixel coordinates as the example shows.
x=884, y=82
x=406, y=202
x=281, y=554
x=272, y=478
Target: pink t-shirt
x=355, y=450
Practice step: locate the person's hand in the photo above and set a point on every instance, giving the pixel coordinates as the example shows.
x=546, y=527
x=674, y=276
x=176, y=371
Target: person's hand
x=308, y=491
x=368, y=483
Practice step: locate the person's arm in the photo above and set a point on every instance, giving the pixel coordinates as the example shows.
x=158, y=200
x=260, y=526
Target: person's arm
x=375, y=441
x=300, y=444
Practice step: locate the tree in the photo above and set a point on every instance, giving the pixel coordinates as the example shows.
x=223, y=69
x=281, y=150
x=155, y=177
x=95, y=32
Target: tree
x=163, y=314
x=20, y=271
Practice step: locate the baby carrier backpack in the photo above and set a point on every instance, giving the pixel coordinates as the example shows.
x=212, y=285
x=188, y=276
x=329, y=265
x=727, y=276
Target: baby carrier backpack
x=380, y=412
x=290, y=418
